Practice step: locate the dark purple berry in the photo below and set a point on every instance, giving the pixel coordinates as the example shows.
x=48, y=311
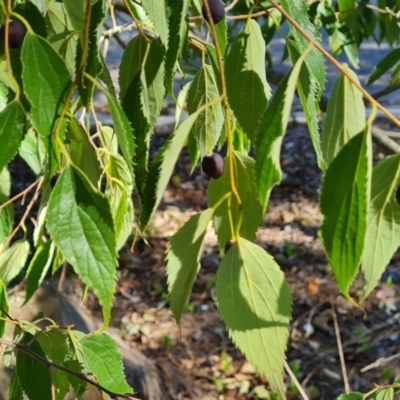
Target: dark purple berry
x=398, y=194
x=213, y=165
x=16, y=34
x=217, y=10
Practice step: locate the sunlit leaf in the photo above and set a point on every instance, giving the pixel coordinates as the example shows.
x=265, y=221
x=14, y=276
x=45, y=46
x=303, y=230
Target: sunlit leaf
x=254, y=300
x=13, y=260
x=345, y=200
x=184, y=261
x=345, y=116
x=80, y=223
x=383, y=232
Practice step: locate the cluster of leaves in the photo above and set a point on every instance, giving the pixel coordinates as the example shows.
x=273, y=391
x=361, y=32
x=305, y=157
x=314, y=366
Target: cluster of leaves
x=51, y=361
x=87, y=216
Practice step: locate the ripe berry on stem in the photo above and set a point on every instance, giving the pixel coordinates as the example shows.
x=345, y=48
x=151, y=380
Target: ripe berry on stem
x=217, y=10
x=16, y=34
x=213, y=165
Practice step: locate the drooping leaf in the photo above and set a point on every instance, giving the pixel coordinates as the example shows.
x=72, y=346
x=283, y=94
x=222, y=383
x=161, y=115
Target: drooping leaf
x=308, y=89
x=15, y=392
x=33, y=152
x=13, y=260
x=158, y=15
x=76, y=11
x=254, y=300
x=3, y=307
x=247, y=87
x=178, y=27
x=92, y=63
x=314, y=60
x=60, y=33
x=80, y=222
x=207, y=127
x=270, y=133
x=162, y=168
x=252, y=210
x=38, y=268
x=345, y=116
x=344, y=202
x=141, y=79
x=351, y=396
x=6, y=213
x=120, y=191
x=383, y=232
x=12, y=130
x=55, y=345
x=82, y=153
x=184, y=260
x=105, y=362
x=31, y=13
x=32, y=374
x=123, y=129
x=387, y=62
x=46, y=82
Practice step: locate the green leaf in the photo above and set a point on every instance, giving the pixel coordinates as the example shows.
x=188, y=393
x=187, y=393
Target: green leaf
x=12, y=130
x=105, y=362
x=15, y=392
x=345, y=116
x=33, y=152
x=254, y=300
x=207, y=127
x=119, y=191
x=178, y=27
x=383, y=232
x=122, y=129
x=13, y=260
x=222, y=35
x=248, y=90
x=93, y=63
x=307, y=88
x=3, y=307
x=184, y=261
x=82, y=152
x=31, y=13
x=6, y=213
x=385, y=394
x=314, y=60
x=345, y=204
x=270, y=133
x=61, y=32
x=387, y=62
x=38, y=267
x=351, y=396
x=162, y=168
x=32, y=374
x=80, y=222
x=158, y=15
x=76, y=11
x=55, y=345
x=252, y=210
x=46, y=82
x=141, y=79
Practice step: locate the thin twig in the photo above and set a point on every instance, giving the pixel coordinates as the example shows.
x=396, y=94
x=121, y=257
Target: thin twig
x=295, y=381
x=26, y=213
x=49, y=364
x=379, y=362
x=20, y=194
x=340, y=350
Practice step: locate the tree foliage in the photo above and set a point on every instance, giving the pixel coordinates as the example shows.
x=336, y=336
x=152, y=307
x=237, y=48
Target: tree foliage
x=52, y=66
